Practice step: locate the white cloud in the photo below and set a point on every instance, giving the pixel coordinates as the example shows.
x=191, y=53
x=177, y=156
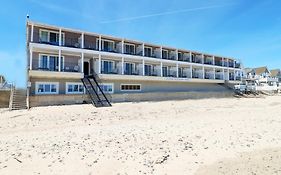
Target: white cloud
x=166, y=13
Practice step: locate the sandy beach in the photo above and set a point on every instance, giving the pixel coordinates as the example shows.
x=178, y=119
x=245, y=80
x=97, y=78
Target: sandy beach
x=209, y=136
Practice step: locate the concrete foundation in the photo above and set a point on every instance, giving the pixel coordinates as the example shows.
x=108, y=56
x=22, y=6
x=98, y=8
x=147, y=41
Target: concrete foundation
x=47, y=100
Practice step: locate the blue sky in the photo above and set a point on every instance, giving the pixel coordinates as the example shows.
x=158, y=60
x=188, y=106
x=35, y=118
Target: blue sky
x=244, y=29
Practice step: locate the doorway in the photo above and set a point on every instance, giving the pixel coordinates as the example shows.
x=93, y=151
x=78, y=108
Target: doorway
x=86, y=68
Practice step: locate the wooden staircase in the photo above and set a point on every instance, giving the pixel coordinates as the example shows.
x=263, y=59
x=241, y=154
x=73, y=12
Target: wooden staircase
x=18, y=99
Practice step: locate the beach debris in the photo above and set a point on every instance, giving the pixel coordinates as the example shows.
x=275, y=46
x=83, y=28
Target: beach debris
x=17, y=160
x=162, y=159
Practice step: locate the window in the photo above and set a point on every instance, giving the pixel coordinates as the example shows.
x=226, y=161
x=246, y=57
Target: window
x=107, y=88
x=180, y=56
x=165, y=71
x=106, y=45
x=148, y=51
x=129, y=68
x=129, y=49
x=47, y=88
x=51, y=37
x=148, y=70
x=165, y=54
x=107, y=66
x=43, y=63
x=50, y=62
x=130, y=87
x=74, y=88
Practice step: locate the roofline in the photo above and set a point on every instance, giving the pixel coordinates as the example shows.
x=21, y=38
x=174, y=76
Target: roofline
x=29, y=22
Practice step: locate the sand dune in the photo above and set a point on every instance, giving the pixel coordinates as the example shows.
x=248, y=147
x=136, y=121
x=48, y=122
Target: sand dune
x=211, y=136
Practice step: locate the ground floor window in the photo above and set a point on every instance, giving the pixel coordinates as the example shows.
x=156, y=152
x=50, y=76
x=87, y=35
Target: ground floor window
x=107, y=88
x=130, y=87
x=74, y=88
x=47, y=88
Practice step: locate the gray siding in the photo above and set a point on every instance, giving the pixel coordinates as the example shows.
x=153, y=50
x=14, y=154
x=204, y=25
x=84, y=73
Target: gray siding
x=156, y=86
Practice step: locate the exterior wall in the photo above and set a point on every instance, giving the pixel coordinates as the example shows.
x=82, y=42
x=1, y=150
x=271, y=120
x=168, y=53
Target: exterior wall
x=47, y=100
x=62, y=84
x=156, y=86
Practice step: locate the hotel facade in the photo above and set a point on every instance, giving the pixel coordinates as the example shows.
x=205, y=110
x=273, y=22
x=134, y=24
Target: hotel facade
x=59, y=58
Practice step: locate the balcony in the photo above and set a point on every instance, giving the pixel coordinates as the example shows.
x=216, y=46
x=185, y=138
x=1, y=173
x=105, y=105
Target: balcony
x=237, y=65
x=197, y=74
x=133, y=49
x=209, y=75
x=69, y=69
x=218, y=63
x=219, y=76
x=230, y=64
x=184, y=72
x=109, y=70
x=151, y=70
x=208, y=61
x=196, y=59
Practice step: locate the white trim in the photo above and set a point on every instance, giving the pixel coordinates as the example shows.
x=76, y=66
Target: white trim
x=48, y=59
x=130, y=85
x=74, y=83
x=32, y=30
x=110, y=84
x=46, y=83
x=129, y=44
x=52, y=31
x=147, y=47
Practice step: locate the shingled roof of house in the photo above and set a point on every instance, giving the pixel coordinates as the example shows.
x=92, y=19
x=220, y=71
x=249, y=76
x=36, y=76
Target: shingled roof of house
x=275, y=72
x=260, y=70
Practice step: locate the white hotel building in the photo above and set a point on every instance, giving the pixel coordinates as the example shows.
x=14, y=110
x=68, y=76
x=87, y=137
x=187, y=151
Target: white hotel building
x=58, y=58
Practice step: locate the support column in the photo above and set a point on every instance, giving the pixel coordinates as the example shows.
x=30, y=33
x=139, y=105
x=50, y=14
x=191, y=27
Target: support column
x=100, y=43
x=82, y=62
x=227, y=74
x=177, y=70
x=203, y=72
x=99, y=68
x=143, y=67
x=59, y=60
x=31, y=35
x=177, y=54
x=190, y=57
x=213, y=60
x=214, y=76
x=161, y=67
x=82, y=40
x=60, y=37
x=122, y=66
x=202, y=57
x=142, y=49
x=122, y=45
x=30, y=58
x=190, y=71
x=161, y=53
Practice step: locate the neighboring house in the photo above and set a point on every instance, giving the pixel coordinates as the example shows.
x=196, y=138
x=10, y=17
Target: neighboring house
x=262, y=74
x=276, y=73
x=259, y=72
x=58, y=58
